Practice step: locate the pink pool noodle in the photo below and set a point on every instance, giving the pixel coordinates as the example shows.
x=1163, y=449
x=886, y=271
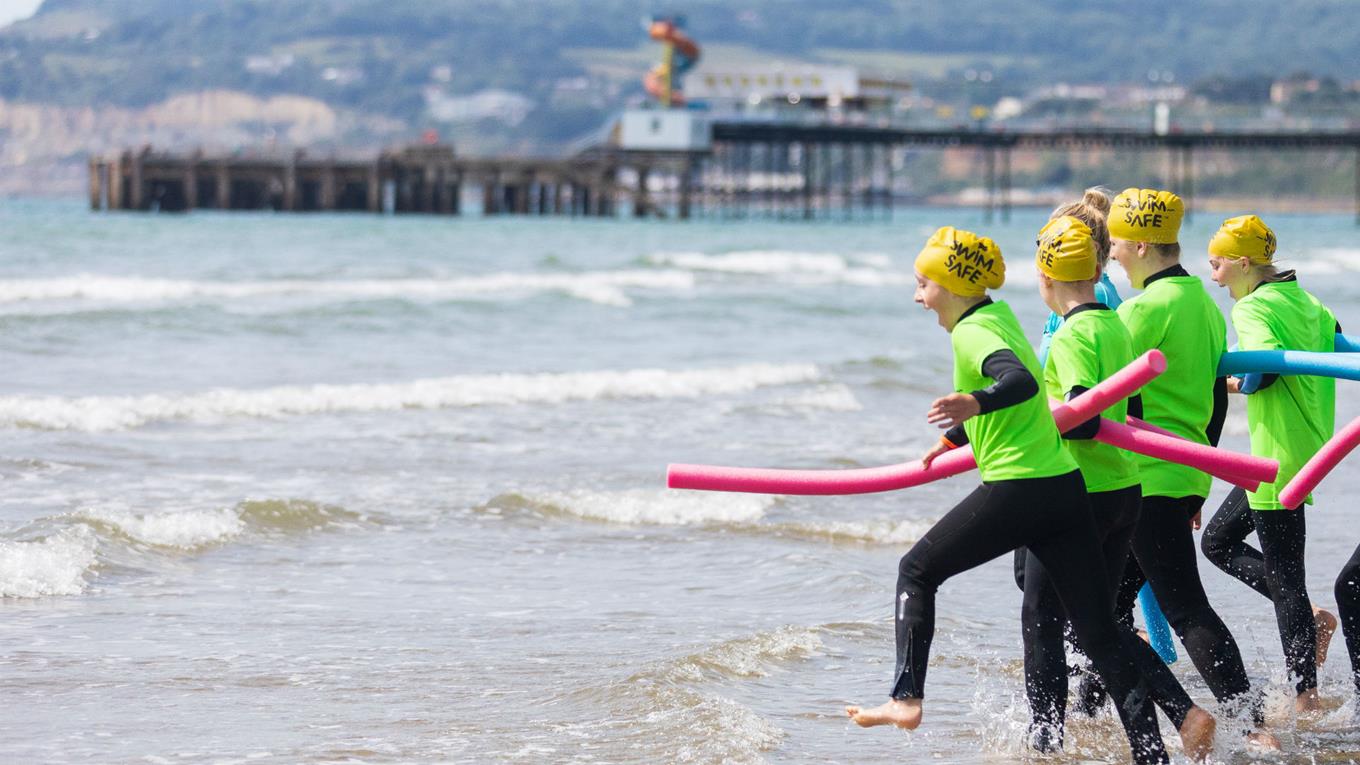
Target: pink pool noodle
x=813, y=482
x=1322, y=463
x=1230, y=477
x=1118, y=386
x=1145, y=425
x=1174, y=449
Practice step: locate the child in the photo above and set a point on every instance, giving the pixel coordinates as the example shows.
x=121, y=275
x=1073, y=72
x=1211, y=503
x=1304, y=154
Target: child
x=1031, y=495
x=1175, y=314
x=1290, y=418
x=1090, y=344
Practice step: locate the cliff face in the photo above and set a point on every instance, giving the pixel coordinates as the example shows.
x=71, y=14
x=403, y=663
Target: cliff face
x=43, y=147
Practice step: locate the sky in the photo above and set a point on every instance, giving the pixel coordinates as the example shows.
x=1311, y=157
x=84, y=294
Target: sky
x=13, y=10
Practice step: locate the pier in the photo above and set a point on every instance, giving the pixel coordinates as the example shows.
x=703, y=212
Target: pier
x=415, y=179
x=734, y=169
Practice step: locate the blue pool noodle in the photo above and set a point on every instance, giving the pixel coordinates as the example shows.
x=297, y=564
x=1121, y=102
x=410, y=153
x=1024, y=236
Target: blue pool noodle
x=1345, y=366
x=1159, y=632
x=1347, y=343
x=1249, y=382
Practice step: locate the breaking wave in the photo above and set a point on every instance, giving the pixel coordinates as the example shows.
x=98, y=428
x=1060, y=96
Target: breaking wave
x=868, y=270
x=104, y=413
x=86, y=291
x=61, y=555
x=659, y=507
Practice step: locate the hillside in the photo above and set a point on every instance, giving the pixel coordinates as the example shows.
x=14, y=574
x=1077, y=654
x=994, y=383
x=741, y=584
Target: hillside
x=497, y=75
x=572, y=59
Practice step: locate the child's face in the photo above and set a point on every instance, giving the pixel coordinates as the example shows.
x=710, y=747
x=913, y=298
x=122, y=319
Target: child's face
x=1218, y=270
x=930, y=295
x=1122, y=251
x=1230, y=273
x=1125, y=253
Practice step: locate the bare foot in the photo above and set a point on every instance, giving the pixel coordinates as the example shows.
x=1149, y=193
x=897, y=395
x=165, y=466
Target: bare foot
x=904, y=713
x=1197, y=734
x=1308, y=701
x=1326, y=627
x=1262, y=740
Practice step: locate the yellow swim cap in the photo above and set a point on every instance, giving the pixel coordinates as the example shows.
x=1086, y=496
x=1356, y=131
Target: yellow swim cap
x=1067, y=250
x=1146, y=215
x=962, y=262
x=1245, y=236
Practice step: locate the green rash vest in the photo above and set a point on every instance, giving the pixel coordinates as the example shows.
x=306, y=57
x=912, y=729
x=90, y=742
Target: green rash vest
x=1090, y=346
x=1019, y=441
x=1175, y=315
x=1293, y=417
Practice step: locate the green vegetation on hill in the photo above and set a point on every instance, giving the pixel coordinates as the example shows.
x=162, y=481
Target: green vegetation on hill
x=577, y=60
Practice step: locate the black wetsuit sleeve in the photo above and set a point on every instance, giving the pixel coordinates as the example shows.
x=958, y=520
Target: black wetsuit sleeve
x=1087, y=430
x=1215, y=427
x=1014, y=384
x=1267, y=379
x=1136, y=406
x=957, y=435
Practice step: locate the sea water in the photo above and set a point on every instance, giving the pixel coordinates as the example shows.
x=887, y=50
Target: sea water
x=347, y=488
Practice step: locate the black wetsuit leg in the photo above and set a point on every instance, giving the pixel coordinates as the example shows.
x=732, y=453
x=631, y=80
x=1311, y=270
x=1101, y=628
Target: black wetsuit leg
x=1348, y=610
x=1165, y=548
x=1042, y=620
x=1276, y=571
x=1052, y=517
x=1091, y=692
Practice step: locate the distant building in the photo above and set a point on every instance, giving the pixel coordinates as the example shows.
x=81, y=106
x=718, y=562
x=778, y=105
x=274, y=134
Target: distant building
x=1302, y=88
x=809, y=86
x=1142, y=95
x=663, y=130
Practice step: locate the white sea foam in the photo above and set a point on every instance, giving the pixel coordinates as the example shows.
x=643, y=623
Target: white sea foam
x=748, y=657
x=904, y=532
x=689, y=727
x=1325, y=260
x=56, y=565
x=185, y=530
x=868, y=270
x=605, y=287
x=835, y=397
x=683, y=724
x=60, y=564
x=756, y=262
x=658, y=507
x=102, y=413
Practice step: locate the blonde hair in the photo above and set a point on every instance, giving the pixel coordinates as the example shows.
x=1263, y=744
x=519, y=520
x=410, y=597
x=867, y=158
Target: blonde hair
x=1092, y=210
x=1270, y=272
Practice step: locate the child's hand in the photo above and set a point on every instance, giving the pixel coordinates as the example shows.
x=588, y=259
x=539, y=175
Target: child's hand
x=939, y=448
x=952, y=409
